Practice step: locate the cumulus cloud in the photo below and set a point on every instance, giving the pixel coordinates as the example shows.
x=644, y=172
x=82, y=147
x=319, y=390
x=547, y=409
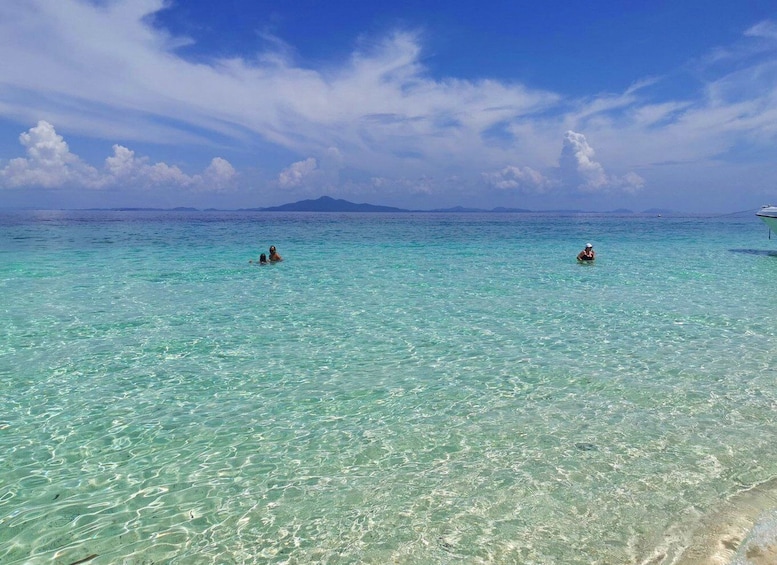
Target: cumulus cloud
x=517, y=179
x=51, y=164
x=580, y=171
x=578, y=167
x=298, y=173
x=219, y=174
x=124, y=167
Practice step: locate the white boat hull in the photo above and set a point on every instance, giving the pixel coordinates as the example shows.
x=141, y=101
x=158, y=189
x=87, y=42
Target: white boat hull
x=768, y=215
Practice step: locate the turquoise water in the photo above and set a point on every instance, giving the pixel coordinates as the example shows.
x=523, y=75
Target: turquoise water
x=414, y=388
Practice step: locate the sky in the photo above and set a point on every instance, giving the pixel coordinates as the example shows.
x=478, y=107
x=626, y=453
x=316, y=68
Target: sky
x=420, y=104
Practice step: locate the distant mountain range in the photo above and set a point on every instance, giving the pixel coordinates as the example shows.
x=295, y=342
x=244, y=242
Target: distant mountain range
x=329, y=204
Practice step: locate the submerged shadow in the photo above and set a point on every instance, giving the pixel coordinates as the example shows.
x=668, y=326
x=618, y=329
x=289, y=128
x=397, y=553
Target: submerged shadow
x=755, y=252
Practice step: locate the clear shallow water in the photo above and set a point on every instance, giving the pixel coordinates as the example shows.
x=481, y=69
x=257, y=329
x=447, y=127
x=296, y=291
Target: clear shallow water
x=402, y=388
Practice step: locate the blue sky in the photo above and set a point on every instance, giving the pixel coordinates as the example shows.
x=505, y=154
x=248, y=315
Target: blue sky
x=419, y=104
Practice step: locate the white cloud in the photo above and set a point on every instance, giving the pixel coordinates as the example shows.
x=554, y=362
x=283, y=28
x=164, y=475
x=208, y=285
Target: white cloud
x=164, y=174
x=122, y=164
x=122, y=74
x=630, y=182
x=578, y=167
x=518, y=179
x=579, y=170
x=103, y=69
x=298, y=173
x=219, y=174
x=766, y=29
x=51, y=164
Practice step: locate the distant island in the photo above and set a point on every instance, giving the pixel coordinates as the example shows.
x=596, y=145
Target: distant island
x=329, y=204
x=138, y=209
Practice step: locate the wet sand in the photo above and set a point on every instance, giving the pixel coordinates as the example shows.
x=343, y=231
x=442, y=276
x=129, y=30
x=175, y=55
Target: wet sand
x=742, y=532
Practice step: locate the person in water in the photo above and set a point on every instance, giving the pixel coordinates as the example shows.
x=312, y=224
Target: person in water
x=274, y=257
x=587, y=254
x=262, y=260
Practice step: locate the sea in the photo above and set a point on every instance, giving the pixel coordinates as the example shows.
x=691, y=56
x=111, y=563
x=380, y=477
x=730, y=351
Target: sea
x=408, y=388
